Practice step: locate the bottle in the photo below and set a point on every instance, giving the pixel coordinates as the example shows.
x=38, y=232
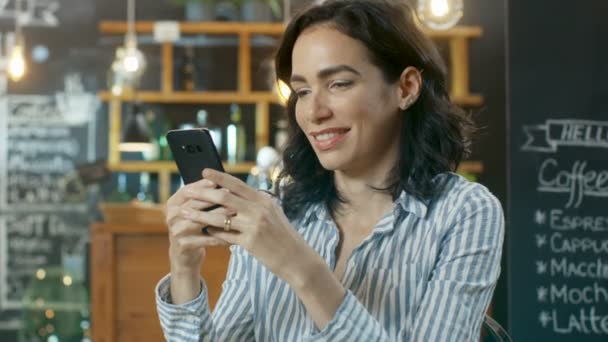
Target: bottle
x=280, y=136
x=153, y=152
x=188, y=70
x=163, y=144
x=236, y=143
x=260, y=176
x=120, y=194
x=216, y=132
x=144, y=194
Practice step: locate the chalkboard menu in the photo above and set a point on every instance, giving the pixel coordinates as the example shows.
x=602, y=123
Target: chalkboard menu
x=558, y=191
x=42, y=139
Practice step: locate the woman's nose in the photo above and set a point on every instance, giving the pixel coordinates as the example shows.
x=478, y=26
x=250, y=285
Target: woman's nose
x=319, y=110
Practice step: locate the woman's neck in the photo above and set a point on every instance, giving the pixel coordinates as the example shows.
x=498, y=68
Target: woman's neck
x=360, y=196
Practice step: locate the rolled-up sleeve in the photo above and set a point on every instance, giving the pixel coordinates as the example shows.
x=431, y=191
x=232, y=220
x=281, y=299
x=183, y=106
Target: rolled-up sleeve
x=193, y=321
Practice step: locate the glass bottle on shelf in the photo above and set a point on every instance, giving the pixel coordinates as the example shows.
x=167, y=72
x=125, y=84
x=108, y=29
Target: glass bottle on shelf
x=144, y=194
x=188, y=72
x=120, y=194
x=161, y=140
x=281, y=135
x=216, y=132
x=236, y=143
x=153, y=153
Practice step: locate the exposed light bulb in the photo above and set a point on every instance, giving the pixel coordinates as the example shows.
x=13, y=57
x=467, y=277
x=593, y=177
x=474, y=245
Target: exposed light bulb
x=133, y=59
x=131, y=63
x=440, y=8
x=16, y=63
x=440, y=14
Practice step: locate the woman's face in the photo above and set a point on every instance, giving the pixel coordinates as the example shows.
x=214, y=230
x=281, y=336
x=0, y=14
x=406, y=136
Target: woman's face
x=349, y=113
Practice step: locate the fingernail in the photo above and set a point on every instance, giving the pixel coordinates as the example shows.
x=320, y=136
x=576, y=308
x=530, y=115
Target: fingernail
x=207, y=182
x=208, y=172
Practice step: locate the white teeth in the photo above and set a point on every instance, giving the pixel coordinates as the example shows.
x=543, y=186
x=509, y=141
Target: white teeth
x=326, y=136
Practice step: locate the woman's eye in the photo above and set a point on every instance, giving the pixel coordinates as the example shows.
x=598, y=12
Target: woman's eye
x=301, y=92
x=340, y=84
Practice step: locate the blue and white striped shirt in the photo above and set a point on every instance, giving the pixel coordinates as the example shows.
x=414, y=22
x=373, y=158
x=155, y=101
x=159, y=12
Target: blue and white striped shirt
x=426, y=273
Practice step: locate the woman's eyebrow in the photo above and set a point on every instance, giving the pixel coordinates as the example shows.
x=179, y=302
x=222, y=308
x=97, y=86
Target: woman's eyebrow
x=327, y=72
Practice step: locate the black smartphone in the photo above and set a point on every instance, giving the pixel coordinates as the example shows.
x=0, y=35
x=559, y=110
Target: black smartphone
x=193, y=150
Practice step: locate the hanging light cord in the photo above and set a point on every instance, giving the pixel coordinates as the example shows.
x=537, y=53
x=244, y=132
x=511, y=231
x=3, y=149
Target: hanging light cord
x=131, y=18
x=17, y=23
x=286, y=10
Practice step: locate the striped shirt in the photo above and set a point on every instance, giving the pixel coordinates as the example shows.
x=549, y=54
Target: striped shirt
x=426, y=272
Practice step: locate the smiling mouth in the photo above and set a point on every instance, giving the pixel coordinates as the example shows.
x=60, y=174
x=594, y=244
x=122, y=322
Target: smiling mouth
x=328, y=136
x=327, y=141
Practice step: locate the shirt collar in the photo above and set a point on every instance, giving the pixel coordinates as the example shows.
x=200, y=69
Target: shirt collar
x=412, y=204
x=406, y=202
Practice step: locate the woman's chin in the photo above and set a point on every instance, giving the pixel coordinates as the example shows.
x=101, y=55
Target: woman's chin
x=331, y=164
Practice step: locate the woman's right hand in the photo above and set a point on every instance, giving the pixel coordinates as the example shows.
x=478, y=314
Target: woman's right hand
x=187, y=242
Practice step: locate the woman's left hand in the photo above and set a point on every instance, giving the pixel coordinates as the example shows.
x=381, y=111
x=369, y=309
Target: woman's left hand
x=259, y=225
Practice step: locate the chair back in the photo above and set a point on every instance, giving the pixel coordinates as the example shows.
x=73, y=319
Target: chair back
x=492, y=331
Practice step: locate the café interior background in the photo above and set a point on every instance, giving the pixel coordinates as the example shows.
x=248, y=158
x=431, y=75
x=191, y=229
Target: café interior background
x=56, y=133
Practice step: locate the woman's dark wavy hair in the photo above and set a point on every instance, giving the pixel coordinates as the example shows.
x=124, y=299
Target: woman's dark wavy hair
x=436, y=134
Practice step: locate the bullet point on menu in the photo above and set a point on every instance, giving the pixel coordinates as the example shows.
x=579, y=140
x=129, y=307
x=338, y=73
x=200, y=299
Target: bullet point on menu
x=541, y=240
x=541, y=293
x=541, y=267
x=544, y=318
x=540, y=217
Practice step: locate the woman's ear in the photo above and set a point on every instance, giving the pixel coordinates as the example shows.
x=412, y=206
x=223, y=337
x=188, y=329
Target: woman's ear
x=410, y=84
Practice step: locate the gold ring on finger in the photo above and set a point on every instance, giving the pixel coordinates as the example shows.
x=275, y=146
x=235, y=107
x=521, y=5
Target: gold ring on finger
x=227, y=223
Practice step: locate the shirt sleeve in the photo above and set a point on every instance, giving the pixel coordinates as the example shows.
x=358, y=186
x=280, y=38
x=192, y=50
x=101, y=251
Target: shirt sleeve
x=232, y=319
x=459, y=290
x=465, y=274
x=352, y=322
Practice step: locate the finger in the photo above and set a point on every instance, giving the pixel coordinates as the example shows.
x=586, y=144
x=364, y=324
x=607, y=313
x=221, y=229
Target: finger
x=231, y=237
x=199, y=241
x=201, y=185
x=212, y=219
x=176, y=220
x=224, y=211
x=231, y=183
x=184, y=228
x=197, y=204
x=222, y=197
x=172, y=215
x=181, y=195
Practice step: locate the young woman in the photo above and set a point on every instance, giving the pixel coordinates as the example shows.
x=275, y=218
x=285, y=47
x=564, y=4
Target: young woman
x=371, y=236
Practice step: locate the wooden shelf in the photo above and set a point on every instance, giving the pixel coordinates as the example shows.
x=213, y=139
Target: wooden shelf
x=471, y=100
x=222, y=97
x=210, y=97
x=218, y=27
x=458, y=38
x=169, y=166
x=470, y=166
x=212, y=27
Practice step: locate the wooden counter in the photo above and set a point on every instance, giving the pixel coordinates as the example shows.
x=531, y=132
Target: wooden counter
x=127, y=261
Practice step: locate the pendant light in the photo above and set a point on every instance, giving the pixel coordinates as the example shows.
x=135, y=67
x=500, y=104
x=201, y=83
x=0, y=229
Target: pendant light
x=129, y=62
x=16, y=61
x=439, y=14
